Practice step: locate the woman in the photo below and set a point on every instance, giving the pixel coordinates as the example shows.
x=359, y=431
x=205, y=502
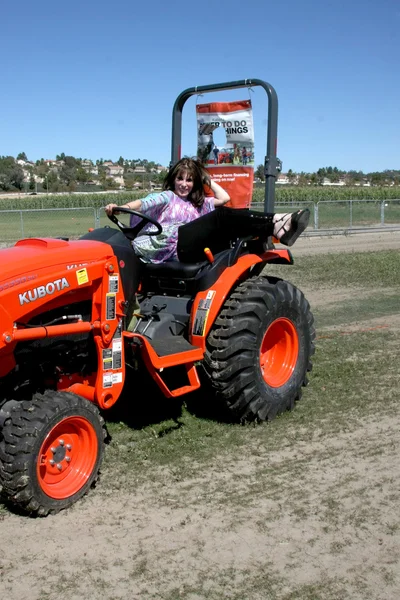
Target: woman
x=190, y=222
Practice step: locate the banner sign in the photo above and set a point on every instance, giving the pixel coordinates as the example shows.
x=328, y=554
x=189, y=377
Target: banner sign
x=231, y=165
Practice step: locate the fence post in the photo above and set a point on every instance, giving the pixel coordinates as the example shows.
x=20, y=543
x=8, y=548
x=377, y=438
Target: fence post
x=97, y=218
x=351, y=213
x=316, y=215
x=382, y=212
x=22, y=224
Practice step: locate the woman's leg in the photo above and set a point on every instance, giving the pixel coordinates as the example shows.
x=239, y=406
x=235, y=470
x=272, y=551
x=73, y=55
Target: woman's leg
x=218, y=229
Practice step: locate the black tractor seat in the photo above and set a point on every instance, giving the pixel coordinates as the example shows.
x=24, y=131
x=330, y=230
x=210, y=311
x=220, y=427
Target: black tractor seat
x=173, y=277
x=187, y=278
x=173, y=268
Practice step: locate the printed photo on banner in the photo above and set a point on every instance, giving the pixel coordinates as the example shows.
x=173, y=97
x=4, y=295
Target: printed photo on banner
x=236, y=120
x=231, y=164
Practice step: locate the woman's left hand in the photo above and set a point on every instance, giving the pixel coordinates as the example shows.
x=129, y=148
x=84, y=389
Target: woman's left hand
x=110, y=209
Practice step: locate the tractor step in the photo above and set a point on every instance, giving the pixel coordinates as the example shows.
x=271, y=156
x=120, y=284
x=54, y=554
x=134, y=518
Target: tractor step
x=168, y=352
x=172, y=345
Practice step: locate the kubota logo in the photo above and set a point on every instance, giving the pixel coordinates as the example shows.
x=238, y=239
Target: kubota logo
x=43, y=290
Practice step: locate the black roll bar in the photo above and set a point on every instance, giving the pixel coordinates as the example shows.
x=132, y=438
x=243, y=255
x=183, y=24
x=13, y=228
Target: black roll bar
x=272, y=164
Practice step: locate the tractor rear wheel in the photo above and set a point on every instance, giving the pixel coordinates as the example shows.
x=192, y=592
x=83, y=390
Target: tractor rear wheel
x=50, y=452
x=260, y=347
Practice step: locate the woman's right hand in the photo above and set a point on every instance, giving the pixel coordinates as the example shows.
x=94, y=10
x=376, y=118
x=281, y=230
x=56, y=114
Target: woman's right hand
x=205, y=177
x=110, y=208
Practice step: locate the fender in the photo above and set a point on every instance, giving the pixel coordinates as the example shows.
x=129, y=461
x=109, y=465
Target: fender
x=208, y=303
x=7, y=361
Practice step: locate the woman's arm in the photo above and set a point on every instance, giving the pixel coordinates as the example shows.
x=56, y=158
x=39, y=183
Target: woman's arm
x=151, y=205
x=133, y=205
x=221, y=197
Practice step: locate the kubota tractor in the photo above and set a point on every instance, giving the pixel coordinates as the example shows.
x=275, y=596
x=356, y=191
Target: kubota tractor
x=64, y=339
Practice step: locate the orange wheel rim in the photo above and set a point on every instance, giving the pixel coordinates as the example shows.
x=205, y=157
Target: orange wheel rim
x=67, y=457
x=279, y=352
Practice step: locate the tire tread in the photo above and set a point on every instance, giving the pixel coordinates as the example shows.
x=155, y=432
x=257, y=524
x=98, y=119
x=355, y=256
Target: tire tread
x=232, y=351
x=19, y=436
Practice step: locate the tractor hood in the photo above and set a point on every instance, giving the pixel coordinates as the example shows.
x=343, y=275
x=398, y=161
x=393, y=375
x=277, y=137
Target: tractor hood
x=30, y=256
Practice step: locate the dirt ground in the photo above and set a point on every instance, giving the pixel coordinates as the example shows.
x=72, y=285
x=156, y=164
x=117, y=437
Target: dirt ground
x=171, y=538
x=357, y=242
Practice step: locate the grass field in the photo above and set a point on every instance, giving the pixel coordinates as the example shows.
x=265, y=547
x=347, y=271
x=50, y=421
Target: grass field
x=45, y=223
x=369, y=274
x=357, y=213
x=191, y=506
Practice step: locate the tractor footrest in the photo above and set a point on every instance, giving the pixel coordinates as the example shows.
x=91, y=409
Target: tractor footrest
x=168, y=351
x=165, y=353
x=174, y=345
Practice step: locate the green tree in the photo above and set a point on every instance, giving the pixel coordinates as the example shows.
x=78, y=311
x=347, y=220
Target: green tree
x=259, y=172
x=68, y=172
x=22, y=156
x=71, y=161
x=11, y=174
x=291, y=176
x=71, y=186
x=41, y=169
x=303, y=178
x=321, y=174
x=129, y=183
x=82, y=176
x=159, y=177
x=354, y=177
x=109, y=184
x=51, y=182
x=334, y=176
x=376, y=178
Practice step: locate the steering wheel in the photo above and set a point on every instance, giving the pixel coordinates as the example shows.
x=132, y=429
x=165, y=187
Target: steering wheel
x=132, y=232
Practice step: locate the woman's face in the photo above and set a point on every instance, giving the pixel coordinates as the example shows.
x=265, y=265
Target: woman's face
x=183, y=184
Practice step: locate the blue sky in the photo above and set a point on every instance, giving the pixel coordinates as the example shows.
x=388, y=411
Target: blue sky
x=98, y=79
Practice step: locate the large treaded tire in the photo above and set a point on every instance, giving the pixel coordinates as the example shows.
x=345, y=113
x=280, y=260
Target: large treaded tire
x=51, y=449
x=260, y=347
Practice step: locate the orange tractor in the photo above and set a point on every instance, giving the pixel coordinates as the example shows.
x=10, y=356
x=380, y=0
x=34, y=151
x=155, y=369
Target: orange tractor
x=65, y=343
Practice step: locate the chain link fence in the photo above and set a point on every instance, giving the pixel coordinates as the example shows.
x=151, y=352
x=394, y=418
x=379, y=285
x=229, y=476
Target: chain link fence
x=346, y=216
x=327, y=217
x=46, y=222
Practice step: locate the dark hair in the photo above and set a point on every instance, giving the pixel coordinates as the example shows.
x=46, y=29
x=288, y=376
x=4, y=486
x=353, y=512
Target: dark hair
x=197, y=172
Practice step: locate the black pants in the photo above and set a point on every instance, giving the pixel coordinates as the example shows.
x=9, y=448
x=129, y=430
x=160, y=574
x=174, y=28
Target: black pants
x=218, y=229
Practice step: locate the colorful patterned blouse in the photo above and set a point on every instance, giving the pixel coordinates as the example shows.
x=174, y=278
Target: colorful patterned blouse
x=170, y=211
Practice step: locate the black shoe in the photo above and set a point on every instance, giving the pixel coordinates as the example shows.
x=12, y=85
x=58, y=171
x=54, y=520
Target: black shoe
x=299, y=222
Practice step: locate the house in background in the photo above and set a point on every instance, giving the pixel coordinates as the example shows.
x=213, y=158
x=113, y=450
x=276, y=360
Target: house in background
x=282, y=179
x=327, y=181
x=119, y=180
x=90, y=167
x=159, y=169
x=114, y=170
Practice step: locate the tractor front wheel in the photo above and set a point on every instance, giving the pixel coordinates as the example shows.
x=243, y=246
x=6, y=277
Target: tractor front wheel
x=50, y=453
x=260, y=347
